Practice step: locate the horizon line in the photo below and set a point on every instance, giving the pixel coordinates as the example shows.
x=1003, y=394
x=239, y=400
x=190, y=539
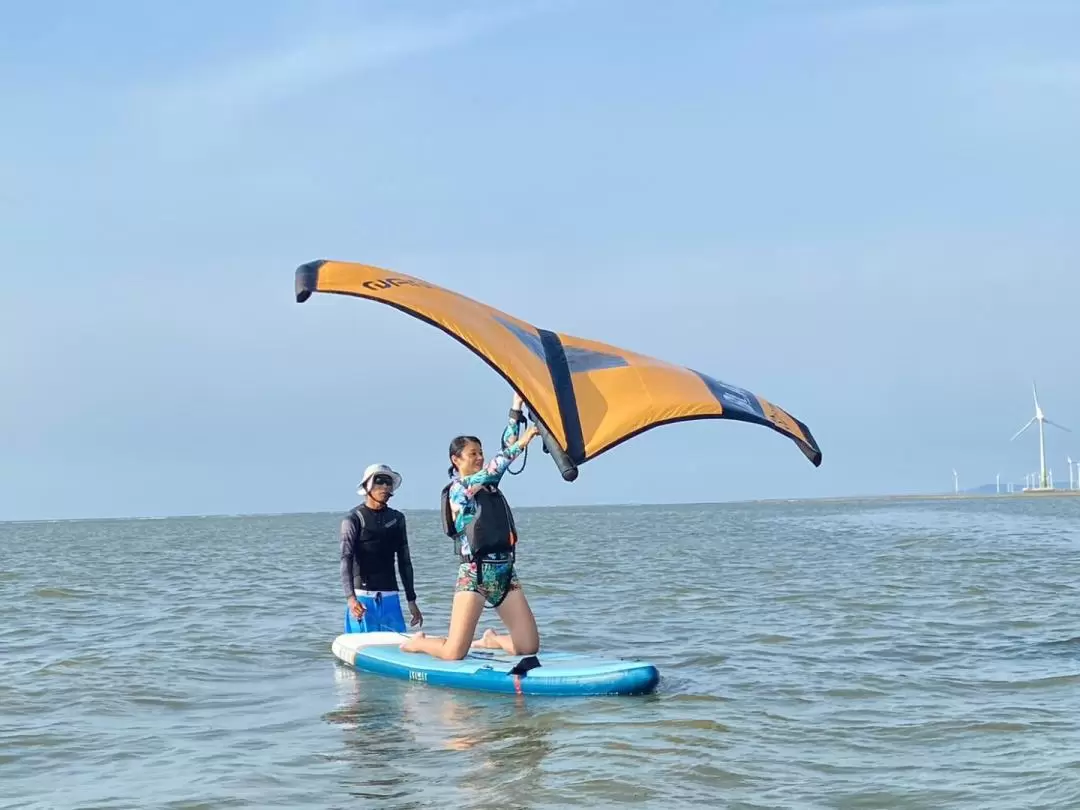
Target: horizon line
x=941, y=495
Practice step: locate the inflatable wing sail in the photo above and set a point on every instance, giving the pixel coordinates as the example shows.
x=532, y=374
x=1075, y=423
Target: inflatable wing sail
x=586, y=397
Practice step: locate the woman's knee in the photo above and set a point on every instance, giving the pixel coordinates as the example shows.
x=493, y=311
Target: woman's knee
x=463, y=618
x=529, y=635
x=454, y=650
x=519, y=620
x=527, y=646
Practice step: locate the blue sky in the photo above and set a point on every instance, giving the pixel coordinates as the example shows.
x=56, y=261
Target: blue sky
x=869, y=209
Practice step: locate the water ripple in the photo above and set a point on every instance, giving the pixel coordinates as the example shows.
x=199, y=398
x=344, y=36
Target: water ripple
x=873, y=654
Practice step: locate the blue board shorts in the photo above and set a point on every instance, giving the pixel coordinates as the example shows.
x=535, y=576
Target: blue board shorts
x=382, y=612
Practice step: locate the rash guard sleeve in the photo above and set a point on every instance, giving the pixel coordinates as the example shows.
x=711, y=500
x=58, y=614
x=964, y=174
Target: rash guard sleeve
x=404, y=561
x=348, y=536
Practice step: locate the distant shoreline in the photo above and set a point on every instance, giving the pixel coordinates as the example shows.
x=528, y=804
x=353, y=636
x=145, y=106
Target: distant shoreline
x=930, y=496
x=939, y=496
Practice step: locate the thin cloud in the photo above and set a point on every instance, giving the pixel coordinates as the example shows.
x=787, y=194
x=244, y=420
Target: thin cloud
x=227, y=92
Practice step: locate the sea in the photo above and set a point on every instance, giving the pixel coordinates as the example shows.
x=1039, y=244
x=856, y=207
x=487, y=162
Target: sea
x=833, y=654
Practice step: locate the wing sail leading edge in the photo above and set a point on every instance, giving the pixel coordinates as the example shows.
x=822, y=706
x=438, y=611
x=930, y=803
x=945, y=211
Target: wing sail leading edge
x=586, y=396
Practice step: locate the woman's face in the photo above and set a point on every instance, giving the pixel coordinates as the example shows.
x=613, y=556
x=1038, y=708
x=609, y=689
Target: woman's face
x=470, y=460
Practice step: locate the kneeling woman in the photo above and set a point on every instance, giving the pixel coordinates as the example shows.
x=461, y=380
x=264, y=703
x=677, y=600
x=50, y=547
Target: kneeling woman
x=481, y=521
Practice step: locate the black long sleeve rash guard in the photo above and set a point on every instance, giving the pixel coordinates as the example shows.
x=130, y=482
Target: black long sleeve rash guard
x=367, y=555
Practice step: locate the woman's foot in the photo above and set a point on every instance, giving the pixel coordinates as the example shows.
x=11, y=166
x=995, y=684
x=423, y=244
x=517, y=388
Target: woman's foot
x=411, y=645
x=489, y=641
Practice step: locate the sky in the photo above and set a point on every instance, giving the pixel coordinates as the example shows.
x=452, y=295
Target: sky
x=865, y=212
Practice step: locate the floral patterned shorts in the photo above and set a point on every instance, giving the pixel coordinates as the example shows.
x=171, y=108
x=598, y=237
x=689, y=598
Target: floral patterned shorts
x=497, y=579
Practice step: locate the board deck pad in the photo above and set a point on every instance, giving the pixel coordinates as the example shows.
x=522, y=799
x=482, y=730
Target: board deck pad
x=558, y=673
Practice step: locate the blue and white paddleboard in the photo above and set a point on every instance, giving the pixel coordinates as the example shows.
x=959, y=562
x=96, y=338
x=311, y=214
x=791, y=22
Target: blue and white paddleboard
x=547, y=673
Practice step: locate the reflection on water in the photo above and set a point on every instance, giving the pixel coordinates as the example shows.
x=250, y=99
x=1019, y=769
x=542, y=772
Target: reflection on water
x=396, y=733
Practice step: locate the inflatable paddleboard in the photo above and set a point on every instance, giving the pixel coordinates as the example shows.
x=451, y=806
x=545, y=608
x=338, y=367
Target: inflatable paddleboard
x=547, y=673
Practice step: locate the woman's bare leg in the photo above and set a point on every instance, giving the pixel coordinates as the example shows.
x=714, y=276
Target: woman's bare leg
x=524, y=638
x=465, y=613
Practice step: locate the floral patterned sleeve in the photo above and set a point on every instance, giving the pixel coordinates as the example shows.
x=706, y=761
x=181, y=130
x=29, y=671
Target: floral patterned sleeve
x=492, y=472
x=462, y=489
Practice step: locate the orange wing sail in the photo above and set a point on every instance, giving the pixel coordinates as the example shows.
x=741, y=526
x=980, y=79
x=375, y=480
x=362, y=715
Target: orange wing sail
x=585, y=396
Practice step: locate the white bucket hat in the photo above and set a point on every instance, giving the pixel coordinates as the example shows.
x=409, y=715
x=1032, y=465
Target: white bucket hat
x=376, y=469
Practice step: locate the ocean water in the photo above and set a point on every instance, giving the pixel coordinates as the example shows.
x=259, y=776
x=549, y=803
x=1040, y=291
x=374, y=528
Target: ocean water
x=832, y=654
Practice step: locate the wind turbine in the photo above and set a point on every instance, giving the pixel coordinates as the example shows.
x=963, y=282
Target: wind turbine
x=1069, y=459
x=997, y=482
x=956, y=482
x=1040, y=417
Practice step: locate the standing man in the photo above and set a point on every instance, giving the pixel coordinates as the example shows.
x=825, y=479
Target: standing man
x=372, y=535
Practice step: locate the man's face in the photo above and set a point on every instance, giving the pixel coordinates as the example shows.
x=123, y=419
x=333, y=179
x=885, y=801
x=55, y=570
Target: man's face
x=381, y=488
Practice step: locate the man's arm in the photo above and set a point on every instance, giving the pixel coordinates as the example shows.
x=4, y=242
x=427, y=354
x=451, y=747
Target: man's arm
x=348, y=536
x=405, y=567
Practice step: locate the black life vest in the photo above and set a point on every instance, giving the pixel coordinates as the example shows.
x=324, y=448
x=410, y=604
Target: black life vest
x=367, y=539
x=492, y=530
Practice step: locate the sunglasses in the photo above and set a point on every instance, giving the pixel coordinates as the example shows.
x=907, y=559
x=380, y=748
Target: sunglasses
x=382, y=480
